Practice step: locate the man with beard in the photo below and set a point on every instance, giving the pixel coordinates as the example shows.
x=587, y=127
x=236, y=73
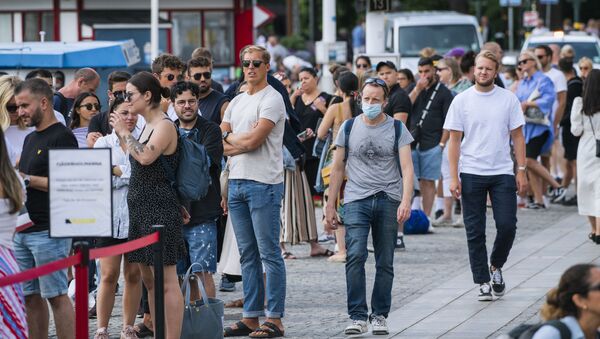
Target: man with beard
x=211, y=102
x=33, y=246
x=200, y=234
x=488, y=117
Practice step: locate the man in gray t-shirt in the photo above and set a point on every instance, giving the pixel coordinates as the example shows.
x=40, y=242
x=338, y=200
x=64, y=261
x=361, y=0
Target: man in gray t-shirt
x=373, y=199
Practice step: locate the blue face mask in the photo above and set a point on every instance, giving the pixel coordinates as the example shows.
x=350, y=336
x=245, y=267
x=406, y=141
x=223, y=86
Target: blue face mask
x=371, y=110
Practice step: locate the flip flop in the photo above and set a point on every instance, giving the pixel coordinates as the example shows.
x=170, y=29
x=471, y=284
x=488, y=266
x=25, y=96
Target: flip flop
x=267, y=330
x=327, y=253
x=241, y=330
x=288, y=255
x=238, y=303
x=142, y=330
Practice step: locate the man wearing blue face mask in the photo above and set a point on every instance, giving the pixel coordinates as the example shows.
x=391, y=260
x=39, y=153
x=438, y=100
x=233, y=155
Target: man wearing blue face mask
x=373, y=153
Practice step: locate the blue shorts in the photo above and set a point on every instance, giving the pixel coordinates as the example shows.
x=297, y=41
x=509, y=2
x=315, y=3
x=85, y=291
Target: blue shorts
x=428, y=164
x=201, y=243
x=36, y=249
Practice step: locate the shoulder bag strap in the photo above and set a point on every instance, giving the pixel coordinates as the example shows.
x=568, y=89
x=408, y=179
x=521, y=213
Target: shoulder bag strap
x=347, y=130
x=397, y=134
x=592, y=124
x=426, y=110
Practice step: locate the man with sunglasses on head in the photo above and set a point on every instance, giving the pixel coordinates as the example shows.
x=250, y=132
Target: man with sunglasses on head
x=99, y=126
x=168, y=69
x=253, y=127
x=373, y=152
x=211, y=103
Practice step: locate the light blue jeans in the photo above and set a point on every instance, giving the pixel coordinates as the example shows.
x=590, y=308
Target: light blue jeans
x=254, y=210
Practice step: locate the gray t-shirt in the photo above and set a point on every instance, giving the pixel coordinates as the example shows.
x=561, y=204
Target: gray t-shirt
x=371, y=166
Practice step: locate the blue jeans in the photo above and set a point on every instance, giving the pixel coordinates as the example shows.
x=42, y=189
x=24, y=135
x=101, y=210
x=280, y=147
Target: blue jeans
x=254, y=210
x=379, y=213
x=502, y=190
x=201, y=243
x=428, y=164
x=36, y=249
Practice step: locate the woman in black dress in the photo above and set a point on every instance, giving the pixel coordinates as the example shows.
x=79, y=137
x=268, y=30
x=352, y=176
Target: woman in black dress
x=151, y=199
x=310, y=104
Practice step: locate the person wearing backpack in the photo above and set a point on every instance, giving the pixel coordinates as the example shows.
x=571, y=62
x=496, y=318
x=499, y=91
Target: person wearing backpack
x=571, y=310
x=373, y=152
x=488, y=117
x=200, y=234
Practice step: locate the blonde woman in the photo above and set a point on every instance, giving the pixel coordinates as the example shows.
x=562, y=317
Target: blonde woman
x=585, y=65
x=14, y=127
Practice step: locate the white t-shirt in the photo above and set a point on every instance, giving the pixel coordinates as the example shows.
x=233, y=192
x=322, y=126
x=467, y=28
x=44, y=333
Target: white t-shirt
x=264, y=164
x=8, y=221
x=560, y=85
x=486, y=120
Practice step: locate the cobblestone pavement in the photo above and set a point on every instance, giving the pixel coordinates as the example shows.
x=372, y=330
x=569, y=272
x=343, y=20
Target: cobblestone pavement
x=316, y=298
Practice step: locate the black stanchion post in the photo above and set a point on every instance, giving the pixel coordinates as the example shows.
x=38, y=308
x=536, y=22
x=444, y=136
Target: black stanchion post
x=81, y=290
x=159, y=286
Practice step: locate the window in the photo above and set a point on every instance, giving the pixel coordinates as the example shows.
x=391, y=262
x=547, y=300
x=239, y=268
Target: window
x=218, y=36
x=582, y=49
x=187, y=30
x=442, y=38
x=6, y=32
x=34, y=22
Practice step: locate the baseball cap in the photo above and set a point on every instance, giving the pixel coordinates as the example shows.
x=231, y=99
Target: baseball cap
x=456, y=52
x=385, y=63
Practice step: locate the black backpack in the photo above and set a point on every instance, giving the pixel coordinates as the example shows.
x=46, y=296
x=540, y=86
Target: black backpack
x=526, y=331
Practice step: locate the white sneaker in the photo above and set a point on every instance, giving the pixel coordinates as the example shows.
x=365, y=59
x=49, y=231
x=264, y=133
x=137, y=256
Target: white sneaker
x=379, y=325
x=357, y=327
x=459, y=223
x=442, y=222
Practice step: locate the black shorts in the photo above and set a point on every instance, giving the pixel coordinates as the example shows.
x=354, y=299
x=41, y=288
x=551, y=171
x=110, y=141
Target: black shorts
x=570, y=143
x=533, y=149
x=103, y=242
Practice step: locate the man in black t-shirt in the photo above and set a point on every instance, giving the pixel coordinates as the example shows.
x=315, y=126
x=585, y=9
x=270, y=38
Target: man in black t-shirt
x=399, y=105
x=212, y=103
x=434, y=98
x=33, y=246
x=569, y=141
x=99, y=126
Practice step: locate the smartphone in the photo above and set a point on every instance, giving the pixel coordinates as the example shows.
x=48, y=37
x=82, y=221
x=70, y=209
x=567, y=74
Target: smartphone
x=302, y=135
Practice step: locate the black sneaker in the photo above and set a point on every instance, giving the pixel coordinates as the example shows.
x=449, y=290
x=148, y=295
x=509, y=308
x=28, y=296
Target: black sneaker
x=498, y=285
x=558, y=194
x=92, y=313
x=439, y=213
x=535, y=206
x=400, y=243
x=570, y=202
x=485, y=292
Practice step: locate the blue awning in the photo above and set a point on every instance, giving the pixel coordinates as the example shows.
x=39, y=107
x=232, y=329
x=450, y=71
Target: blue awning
x=52, y=54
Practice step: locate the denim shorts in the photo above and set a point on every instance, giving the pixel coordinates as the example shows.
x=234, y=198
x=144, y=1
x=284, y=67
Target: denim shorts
x=428, y=164
x=36, y=249
x=201, y=243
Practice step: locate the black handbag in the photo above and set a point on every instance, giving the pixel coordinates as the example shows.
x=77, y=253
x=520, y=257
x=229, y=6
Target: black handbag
x=597, y=141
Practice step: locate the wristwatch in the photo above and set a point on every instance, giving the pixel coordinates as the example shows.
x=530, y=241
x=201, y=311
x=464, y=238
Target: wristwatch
x=27, y=181
x=226, y=134
x=442, y=145
x=522, y=168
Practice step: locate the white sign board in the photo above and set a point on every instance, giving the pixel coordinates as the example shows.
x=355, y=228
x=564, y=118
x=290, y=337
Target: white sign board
x=326, y=52
x=530, y=18
x=80, y=189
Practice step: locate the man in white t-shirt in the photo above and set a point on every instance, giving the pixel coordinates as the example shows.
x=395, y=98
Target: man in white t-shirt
x=544, y=54
x=488, y=117
x=253, y=139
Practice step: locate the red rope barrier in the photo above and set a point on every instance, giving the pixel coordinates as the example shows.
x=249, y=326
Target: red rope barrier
x=76, y=259
x=41, y=270
x=124, y=248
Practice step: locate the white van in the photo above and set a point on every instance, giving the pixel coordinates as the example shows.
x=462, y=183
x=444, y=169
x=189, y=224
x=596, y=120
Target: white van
x=407, y=33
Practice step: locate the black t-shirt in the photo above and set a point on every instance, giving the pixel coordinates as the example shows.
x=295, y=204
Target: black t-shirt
x=433, y=125
x=574, y=90
x=217, y=87
x=309, y=116
x=398, y=101
x=209, y=208
x=210, y=106
x=99, y=123
x=34, y=161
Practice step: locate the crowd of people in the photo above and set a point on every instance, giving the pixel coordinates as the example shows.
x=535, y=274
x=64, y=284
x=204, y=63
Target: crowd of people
x=467, y=133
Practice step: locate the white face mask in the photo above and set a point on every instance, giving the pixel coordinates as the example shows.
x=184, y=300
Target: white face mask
x=371, y=111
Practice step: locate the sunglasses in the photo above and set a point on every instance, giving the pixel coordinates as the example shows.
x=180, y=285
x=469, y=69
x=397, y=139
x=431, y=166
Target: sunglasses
x=365, y=66
x=255, y=63
x=12, y=108
x=439, y=69
x=198, y=76
x=540, y=56
x=171, y=77
x=119, y=94
x=581, y=68
x=378, y=82
x=522, y=62
x=90, y=106
x=594, y=288
x=128, y=96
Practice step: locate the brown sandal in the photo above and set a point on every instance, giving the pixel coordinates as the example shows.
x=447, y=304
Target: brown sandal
x=238, y=303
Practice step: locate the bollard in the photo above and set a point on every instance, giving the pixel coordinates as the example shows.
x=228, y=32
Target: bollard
x=81, y=290
x=159, y=287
